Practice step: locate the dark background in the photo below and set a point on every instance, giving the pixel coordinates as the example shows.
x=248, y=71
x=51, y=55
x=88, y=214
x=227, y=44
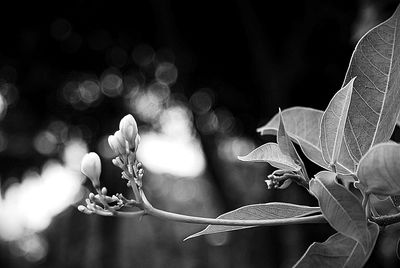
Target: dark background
x=255, y=56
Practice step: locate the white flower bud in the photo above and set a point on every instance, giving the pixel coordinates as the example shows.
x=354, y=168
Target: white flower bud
x=129, y=129
x=91, y=168
x=84, y=209
x=121, y=142
x=137, y=141
x=114, y=144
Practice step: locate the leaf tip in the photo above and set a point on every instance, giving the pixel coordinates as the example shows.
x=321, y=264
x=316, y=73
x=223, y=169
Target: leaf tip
x=192, y=236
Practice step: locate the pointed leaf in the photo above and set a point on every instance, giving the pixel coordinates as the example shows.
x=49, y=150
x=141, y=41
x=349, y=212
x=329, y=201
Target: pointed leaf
x=375, y=100
x=338, y=251
x=271, y=154
x=340, y=207
x=332, y=128
x=303, y=126
x=268, y=211
x=286, y=145
x=379, y=170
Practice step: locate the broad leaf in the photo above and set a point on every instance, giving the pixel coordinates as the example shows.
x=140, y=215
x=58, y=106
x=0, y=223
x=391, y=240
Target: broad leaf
x=268, y=211
x=375, y=100
x=303, y=126
x=379, y=170
x=286, y=145
x=271, y=154
x=338, y=251
x=333, y=122
x=340, y=207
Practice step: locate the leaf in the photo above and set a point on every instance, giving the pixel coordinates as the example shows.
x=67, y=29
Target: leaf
x=333, y=122
x=375, y=101
x=338, y=251
x=379, y=170
x=271, y=153
x=395, y=200
x=285, y=144
x=268, y=211
x=303, y=126
x=340, y=207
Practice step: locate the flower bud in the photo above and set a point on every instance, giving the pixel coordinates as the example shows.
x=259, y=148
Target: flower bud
x=115, y=145
x=137, y=141
x=121, y=142
x=91, y=168
x=84, y=209
x=129, y=129
x=285, y=184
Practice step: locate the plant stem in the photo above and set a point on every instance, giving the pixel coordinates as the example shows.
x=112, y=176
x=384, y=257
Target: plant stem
x=386, y=220
x=200, y=220
x=161, y=214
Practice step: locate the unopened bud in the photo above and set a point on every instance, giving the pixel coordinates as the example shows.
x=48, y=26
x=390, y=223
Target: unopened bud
x=137, y=141
x=129, y=129
x=91, y=168
x=269, y=183
x=104, y=191
x=121, y=142
x=285, y=184
x=84, y=209
x=113, y=142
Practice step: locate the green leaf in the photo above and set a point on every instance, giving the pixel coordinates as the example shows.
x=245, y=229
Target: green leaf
x=375, y=101
x=333, y=122
x=338, y=251
x=268, y=211
x=340, y=207
x=271, y=154
x=303, y=126
x=379, y=170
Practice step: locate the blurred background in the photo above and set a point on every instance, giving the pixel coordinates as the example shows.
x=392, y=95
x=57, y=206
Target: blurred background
x=199, y=77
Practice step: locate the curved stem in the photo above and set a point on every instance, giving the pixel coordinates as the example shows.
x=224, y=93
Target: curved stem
x=200, y=220
x=150, y=210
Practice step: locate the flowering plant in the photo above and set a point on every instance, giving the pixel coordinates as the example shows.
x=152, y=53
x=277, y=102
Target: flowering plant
x=350, y=140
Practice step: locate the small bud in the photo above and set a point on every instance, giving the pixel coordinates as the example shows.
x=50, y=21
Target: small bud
x=104, y=191
x=91, y=196
x=269, y=183
x=129, y=129
x=285, y=184
x=84, y=209
x=91, y=168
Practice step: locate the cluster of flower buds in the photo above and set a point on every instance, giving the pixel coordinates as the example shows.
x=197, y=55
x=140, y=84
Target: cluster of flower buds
x=124, y=143
x=279, y=179
x=125, y=139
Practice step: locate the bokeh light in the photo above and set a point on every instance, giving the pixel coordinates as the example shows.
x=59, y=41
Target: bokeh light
x=202, y=101
x=175, y=150
x=89, y=91
x=143, y=55
x=166, y=73
x=45, y=143
x=61, y=29
x=28, y=207
x=111, y=83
